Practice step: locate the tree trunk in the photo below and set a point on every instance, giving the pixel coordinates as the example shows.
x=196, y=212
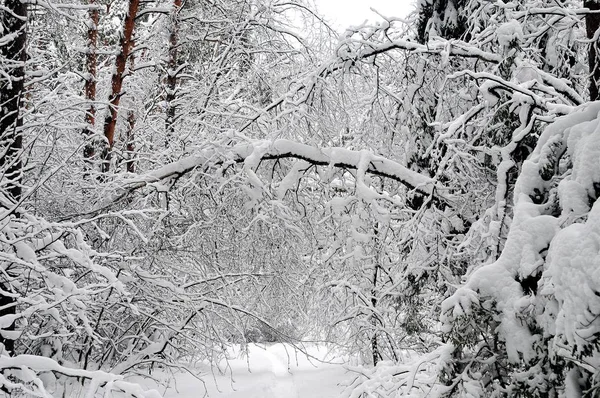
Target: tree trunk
x=376, y=352
x=172, y=71
x=90, y=80
x=110, y=122
x=592, y=23
x=130, y=146
x=12, y=57
x=130, y=162
x=375, y=321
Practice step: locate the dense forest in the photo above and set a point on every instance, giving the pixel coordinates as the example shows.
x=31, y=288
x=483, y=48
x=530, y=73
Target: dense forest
x=181, y=176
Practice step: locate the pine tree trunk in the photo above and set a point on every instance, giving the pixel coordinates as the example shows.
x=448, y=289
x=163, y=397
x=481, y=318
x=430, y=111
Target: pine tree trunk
x=90, y=80
x=13, y=57
x=110, y=121
x=592, y=23
x=171, y=81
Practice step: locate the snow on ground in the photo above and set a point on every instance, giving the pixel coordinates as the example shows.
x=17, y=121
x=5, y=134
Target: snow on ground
x=268, y=371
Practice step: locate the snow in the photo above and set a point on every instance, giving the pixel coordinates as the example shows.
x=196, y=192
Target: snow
x=544, y=287
x=509, y=32
x=272, y=370
x=262, y=371
x=573, y=252
x=252, y=154
x=573, y=261
x=573, y=196
x=31, y=368
x=414, y=377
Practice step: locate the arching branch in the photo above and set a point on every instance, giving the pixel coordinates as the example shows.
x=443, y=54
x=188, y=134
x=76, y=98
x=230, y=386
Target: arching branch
x=251, y=154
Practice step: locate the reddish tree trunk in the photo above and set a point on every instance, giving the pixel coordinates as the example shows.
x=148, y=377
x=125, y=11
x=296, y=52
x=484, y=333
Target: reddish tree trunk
x=13, y=19
x=90, y=81
x=592, y=23
x=172, y=70
x=110, y=122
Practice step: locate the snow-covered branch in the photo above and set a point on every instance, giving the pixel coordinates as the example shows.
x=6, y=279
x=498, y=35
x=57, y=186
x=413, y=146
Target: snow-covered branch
x=28, y=368
x=252, y=154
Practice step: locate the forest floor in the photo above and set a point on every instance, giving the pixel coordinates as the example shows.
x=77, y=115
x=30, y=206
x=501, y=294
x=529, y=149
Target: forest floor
x=265, y=371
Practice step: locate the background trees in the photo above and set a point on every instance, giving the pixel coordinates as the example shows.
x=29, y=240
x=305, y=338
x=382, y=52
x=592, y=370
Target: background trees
x=423, y=191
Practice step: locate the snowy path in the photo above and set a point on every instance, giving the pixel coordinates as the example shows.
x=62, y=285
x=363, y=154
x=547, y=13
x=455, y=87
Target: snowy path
x=283, y=382
x=274, y=371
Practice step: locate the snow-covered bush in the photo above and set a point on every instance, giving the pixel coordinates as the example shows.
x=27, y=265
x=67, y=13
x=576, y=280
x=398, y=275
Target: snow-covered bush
x=542, y=294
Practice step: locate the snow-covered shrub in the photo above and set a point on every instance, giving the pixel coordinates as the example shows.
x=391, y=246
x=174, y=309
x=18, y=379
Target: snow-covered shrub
x=60, y=289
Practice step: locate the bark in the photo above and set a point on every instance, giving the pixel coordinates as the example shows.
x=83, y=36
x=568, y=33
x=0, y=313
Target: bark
x=374, y=320
x=592, y=23
x=13, y=56
x=130, y=162
x=110, y=122
x=171, y=81
x=130, y=147
x=130, y=153
x=90, y=81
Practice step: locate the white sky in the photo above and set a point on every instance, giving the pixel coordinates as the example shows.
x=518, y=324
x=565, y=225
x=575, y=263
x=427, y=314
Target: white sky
x=344, y=13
